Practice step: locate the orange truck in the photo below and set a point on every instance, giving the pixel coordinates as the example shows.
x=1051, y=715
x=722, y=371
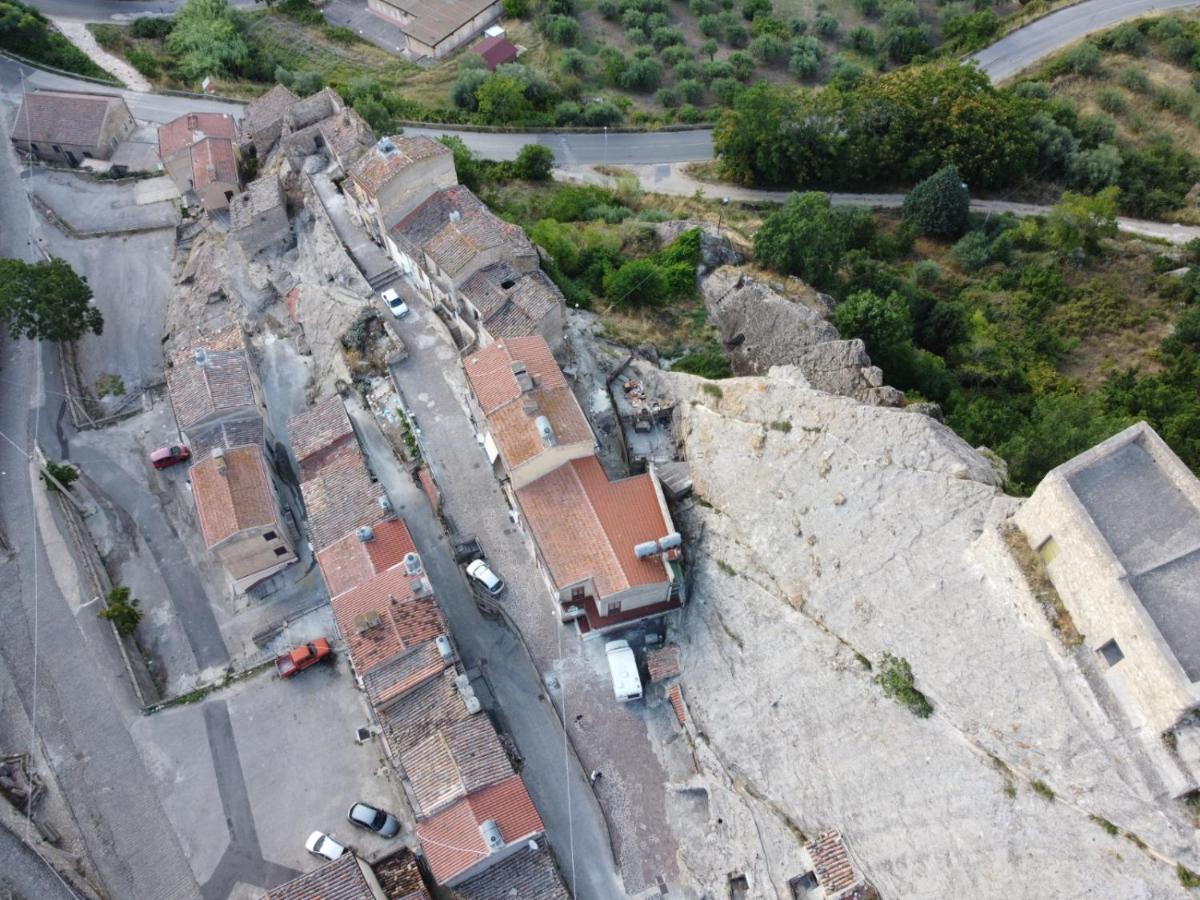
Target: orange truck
x=300, y=658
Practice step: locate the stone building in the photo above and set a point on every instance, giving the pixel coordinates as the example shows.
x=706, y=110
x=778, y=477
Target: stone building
x=396, y=176
x=435, y=29
x=199, y=152
x=263, y=120
x=258, y=216
x=532, y=422
x=1118, y=528
x=69, y=127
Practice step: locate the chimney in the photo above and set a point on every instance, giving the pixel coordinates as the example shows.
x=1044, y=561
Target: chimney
x=524, y=379
x=455, y=215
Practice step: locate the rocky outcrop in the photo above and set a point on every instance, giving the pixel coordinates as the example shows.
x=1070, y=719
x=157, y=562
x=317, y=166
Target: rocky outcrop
x=762, y=328
x=716, y=250
x=827, y=533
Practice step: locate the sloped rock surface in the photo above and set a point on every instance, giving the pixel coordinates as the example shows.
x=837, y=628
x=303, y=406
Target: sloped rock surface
x=827, y=533
x=762, y=328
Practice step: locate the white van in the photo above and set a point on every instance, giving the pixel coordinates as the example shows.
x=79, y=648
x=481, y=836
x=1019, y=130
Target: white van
x=627, y=683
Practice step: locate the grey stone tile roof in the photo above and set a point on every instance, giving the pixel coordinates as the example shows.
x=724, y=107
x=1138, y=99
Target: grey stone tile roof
x=61, y=117
x=516, y=310
x=267, y=110
x=341, y=879
x=454, y=761
x=527, y=874
x=435, y=704
x=260, y=197
x=211, y=377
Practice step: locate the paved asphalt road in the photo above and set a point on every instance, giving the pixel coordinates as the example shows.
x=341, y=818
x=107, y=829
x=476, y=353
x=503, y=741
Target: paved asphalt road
x=1021, y=49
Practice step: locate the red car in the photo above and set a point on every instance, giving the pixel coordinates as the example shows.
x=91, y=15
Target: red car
x=165, y=457
x=300, y=658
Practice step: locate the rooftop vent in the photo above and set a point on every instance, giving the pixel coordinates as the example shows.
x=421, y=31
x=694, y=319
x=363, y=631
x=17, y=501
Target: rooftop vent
x=455, y=215
x=420, y=587
x=490, y=832
x=546, y=430
x=201, y=356
x=386, y=147
x=645, y=549
x=670, y=542
x=367, y=621
x=524, y=379
x=412, y=564
x=366, y=534
x=218, y=455
x=444, y=649
x=385, y=504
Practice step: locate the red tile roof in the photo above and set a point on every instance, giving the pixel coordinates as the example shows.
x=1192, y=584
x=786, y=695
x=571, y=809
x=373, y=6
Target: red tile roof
x=404, y=619
x=402, y=673
x=378, y=166
x=235, y=500
x=213, y=160
x=496, y=51
x=342, y=879
x=675, y=695
x=451, y=840
x=349, y=562
x=663, y=663
x=587, y=526
x=400, y=877
x=340, y=497
x=192, y=127
x=831, y=862
x=320, y=427
x=511, y=413
x=453, y=762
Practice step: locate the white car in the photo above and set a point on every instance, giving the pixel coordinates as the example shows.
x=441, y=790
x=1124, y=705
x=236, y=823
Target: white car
x=398, y=307
x=480, y=571
x=322, y=845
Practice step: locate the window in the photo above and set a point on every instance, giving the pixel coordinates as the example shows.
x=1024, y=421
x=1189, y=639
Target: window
x=614, y=608
x=281, y=551
x=269, y=536
x=577, y=593
x=1111, y=651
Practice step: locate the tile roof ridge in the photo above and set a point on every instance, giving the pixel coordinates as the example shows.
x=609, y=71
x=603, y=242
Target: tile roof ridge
x=595, y=516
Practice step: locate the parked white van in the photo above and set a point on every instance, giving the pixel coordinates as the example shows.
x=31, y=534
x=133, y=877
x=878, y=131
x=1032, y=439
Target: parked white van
x=627, y=683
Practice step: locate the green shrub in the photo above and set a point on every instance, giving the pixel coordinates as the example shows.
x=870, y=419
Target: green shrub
x=1083, y=59
x=110, y=37
x=904, y=43
x=64, y=473
x=1042, y=789
x=638, y=282
x=895, y=676
x=862, y=39
x=1112, y=101
x=939, y=205
x=144, y=61
x=151, y=27
x=825, y=25
x=25, y=31
x=1187, y=877
x=518, y=9
x=1125, y=38
x=844, y=73
x=534, y=162
x=1134, y=78
x=122, y=610
x=708, y=361
x=768, y=49
x=563, y=30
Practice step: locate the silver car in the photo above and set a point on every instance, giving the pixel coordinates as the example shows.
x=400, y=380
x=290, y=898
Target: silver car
x=369, y=817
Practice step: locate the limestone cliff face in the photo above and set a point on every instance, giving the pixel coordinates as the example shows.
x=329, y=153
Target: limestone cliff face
x=826, y=533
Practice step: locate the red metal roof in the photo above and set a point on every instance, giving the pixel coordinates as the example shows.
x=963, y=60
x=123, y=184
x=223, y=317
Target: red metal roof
x=496, y=51
x=451, y=839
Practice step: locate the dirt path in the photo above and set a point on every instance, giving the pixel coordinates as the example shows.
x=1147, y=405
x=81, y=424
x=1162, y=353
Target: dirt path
x=78, y=34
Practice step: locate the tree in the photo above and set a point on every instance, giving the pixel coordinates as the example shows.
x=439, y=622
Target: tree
x=563, y=30
x=638, y=282
x=883, y=323
x=515, y=9
x=122, y=611
x=1078, y=222
x=462, y=92
x=502, y=99
x=805, y=237
x=59, y=473
x=939, y=205
x=709, y=48
x=46, y=301
x=534, y=162
x=206, y=37
x=465, y=163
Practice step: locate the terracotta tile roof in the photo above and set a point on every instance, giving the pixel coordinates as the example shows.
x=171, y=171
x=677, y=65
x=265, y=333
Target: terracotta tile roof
x=217, y=385
x=404, y=618
x=515, y=310
x=831, y=862
x=675, y=695
x=511, y=414
x=61, y=117
x=496, y=51
x=451, y=839
x=377, y=167
x=400, y=877
x=267, y=110
x=213, y=159
x=527, y=875
x=402, y=673
x=453, y=762
x=663, y=663
x=324, y=425
x=410, y=717
x=453, y=227
x=587, y=526
x=340, y=497
x=349, y=562
x=342, y=879
x=239, y=498
x=190, y=128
